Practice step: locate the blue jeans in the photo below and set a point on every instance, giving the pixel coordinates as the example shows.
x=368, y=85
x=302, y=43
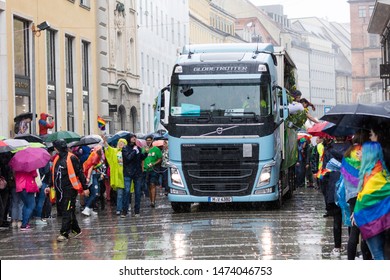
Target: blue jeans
x=119, y=199
x=28, y=206
x=137, y=193
x=16, y=206
x=39, y=201
x=94, y=190
x=376, y=244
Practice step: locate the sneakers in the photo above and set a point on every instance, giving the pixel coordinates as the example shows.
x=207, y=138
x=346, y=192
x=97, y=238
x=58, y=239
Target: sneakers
x=40, y=222
x=336, y=252
x=74, y=234
x=118, y=213
x=123, y=215
x=86, y=212
x=152, y=205
x=25, y=228
x=137, y=215
x=62, y=238
x=16, y=224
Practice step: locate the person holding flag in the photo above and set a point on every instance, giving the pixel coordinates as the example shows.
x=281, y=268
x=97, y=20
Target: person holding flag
x=101, y=123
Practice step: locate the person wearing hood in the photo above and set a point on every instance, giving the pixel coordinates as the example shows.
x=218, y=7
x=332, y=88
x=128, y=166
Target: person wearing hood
x=115, y=161
x=334, y=150
x=132, y=170
x=45, y=124
x=69, y=180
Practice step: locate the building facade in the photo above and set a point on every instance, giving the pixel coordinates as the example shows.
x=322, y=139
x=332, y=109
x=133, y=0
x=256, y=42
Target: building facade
x=119, y=78
x=163, y=29
x=366, y=54
x=50, y=63
x=380, y=24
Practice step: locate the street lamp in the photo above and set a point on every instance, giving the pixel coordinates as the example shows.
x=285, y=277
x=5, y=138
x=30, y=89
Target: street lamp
x=37, y=32
x=40, y=27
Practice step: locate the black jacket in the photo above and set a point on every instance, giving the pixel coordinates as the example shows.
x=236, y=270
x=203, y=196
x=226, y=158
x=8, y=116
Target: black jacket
x=132, y=161
x=336, y=151
x=61, y=177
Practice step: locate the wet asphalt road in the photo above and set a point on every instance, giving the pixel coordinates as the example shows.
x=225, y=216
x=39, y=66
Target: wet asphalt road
x=221, y=232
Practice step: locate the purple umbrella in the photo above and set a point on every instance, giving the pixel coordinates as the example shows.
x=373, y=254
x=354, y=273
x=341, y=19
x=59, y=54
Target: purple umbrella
x=29, y=159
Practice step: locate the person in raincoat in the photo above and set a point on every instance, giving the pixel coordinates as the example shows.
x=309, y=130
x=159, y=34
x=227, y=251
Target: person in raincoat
x=92, y=171
x=115, y=161
x=372, y=209
x=68, y=178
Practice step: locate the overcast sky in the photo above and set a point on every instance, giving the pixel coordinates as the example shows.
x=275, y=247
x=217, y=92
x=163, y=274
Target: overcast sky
x=332, y=10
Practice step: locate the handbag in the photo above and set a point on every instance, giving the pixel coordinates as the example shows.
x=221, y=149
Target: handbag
x=52, y=195
x=3, y=183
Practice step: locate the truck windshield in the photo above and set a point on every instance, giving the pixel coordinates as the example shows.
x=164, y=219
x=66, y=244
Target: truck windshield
x=241, y=99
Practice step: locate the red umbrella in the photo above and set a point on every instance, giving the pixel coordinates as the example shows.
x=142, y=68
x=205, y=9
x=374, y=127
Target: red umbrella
x=140, y=143
x=317, y=129
x=158, y=143
x=4, y=147
x=304, y=135
x=29, y=159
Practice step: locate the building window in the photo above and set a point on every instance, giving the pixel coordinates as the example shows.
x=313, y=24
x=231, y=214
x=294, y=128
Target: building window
x=21, y=65
x=142, y=68
x=147, y=70
x=162, y=24
x=141, y=12
x=362, y=11
x=69, y=81
x=151, y=16
x=51, y=72
x=146, y=14
x=85, y=3
x=85, y=81
x=153, y=74
x=373, y=40
x=173, y=30
x=374, y=66
x=178, y=33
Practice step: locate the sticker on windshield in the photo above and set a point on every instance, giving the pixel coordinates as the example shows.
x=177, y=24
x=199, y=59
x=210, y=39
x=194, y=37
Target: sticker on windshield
x=234, y=112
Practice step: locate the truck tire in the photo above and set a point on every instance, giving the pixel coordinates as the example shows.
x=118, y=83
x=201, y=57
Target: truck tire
x=181, y=207
x=277, y=204
x=290, y=182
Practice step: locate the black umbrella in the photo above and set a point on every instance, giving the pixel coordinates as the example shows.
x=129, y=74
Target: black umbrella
x=23, y=116
x=30, y=138
x=87, y=140
x=113, y=140
x=338, y=130
x=359, y=115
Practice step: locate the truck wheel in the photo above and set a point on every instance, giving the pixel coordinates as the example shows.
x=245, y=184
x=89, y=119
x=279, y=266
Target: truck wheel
x=291, y=182
x=277, y=204
x=181, y=207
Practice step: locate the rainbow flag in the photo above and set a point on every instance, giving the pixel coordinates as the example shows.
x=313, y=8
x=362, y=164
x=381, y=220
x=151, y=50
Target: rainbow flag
x=350, y=167
x=101, y=123
x=372, y=209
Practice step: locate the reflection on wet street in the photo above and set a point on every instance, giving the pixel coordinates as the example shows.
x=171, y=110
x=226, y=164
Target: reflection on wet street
x=222, y=232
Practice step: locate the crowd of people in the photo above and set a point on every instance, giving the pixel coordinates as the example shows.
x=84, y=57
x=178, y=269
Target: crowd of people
x=90, y=174
x=351, y=173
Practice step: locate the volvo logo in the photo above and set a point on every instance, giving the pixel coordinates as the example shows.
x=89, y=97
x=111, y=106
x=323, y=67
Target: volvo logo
x=219, y=130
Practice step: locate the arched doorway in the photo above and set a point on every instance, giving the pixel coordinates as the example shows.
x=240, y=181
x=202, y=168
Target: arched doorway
x=122, y=117
x=133, y=119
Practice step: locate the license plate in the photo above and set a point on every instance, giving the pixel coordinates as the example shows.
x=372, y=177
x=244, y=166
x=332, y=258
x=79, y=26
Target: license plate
x=223, y=199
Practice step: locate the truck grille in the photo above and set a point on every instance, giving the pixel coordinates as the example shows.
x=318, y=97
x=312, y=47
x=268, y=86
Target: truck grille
x=220, y=170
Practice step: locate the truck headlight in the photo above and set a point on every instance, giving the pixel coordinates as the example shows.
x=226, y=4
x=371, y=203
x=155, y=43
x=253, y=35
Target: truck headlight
x=176, y=177
x=265, y=175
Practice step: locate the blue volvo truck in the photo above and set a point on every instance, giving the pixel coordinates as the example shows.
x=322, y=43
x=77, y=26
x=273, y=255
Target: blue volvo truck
x=225, y=112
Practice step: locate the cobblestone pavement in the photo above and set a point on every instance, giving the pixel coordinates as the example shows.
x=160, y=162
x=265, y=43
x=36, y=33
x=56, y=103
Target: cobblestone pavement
x=222, y=232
